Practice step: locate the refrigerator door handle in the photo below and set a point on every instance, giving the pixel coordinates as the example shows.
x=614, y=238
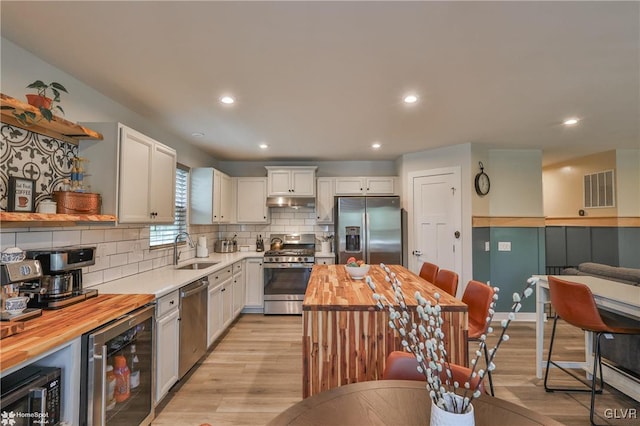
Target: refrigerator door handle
x=365, y=243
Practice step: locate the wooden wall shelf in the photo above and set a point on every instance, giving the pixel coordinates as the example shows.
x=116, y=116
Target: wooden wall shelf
x=29, y=220
x=58, y=128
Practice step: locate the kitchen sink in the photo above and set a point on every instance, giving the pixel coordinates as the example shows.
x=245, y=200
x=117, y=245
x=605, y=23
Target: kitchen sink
x=201, y=265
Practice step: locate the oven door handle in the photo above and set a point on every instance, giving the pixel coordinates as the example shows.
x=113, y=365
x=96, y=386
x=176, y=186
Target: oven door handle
x=267, y=265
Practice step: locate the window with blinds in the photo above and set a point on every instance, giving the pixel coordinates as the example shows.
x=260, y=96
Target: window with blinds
x=599, y=189
x=160, y=235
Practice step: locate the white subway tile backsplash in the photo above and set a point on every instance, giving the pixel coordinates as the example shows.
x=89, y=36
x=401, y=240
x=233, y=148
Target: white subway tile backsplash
x=131, y=234
x=144, y=266
x=117, y=260
x=130, y=269
x=124, y=246
x=66, y=238
x=93, y=236
x=102, y=262
x=112, y=273
x=135, y=256
x=107, y=249
x=92, y=278
x=7, y=240
x=34, y=240
x=113, y=235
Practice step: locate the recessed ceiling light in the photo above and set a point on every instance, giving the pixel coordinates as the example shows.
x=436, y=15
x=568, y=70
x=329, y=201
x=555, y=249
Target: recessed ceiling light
x=570, y=122
x=227, y=100
x=263, y=146
x=375, y=145
x=197, y=134
x=410, y=99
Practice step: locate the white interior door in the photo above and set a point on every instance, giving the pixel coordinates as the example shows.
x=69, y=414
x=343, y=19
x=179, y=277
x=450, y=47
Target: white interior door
x=437, y=218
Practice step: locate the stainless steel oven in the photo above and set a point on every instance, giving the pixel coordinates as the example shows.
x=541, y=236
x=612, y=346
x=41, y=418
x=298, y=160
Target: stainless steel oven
x=117, y=372
x=287, y=267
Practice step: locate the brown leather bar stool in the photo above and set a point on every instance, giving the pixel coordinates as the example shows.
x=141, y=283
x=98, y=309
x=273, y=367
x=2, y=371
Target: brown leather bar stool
x=429, y=271
x=403, y=366
x=447, y=281
x=574, y=303
x=478, y=297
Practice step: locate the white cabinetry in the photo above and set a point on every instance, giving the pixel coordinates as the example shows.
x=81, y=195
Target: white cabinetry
x=167, y=344
x=214, y=315
x=324, y=200
x=211, y=196
x=325, y=260
x=251, y=204
x=239, y=288
x=374, y=185
x=254, y=284
x=291, y=181
x=134, y=174
x=219, y=293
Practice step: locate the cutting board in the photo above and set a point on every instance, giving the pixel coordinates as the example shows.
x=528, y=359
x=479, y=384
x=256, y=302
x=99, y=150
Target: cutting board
x=10, y=329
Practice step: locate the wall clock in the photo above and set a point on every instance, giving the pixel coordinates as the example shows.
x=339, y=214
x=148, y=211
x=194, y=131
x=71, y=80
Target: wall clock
x=482, y=182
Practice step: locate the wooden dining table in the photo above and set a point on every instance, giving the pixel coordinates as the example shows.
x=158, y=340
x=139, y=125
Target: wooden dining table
x=346, y=339
x=395, y=402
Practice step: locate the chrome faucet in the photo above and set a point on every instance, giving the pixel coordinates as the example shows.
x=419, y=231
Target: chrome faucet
x=176, y=253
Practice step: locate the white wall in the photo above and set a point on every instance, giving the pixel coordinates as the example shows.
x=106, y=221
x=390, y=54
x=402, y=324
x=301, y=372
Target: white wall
x=628, y=182
x=516, y=183
x=20, y=68
x=452, y=156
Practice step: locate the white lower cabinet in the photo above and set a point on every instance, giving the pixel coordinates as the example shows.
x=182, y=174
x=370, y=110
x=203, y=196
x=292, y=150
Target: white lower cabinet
x=219, y=303
x=254, y=277
x=227, y=302
x=323, y=260
x=214, y=314
x=239, y=288
x=167, y=344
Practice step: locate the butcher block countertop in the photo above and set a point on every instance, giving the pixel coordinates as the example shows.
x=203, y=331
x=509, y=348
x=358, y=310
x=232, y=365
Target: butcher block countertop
x=331, y=288
x=57, y=327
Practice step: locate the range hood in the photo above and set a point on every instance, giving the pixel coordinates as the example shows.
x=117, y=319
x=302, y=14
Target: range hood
x=291, y=202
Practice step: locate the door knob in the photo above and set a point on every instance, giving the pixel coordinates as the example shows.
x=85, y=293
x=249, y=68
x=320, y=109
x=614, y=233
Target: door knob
x=456, y=234
x=417, y=252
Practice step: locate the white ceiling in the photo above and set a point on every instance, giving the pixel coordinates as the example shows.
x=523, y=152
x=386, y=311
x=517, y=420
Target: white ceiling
x=323, y=80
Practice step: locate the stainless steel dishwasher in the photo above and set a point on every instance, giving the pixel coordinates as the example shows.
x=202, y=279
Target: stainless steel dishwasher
x=193, y=324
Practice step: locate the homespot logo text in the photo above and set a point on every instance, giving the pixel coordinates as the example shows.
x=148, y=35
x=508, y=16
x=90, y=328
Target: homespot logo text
x=12, y=418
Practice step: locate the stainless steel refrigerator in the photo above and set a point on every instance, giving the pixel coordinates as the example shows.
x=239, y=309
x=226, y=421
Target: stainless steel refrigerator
x=368, y=228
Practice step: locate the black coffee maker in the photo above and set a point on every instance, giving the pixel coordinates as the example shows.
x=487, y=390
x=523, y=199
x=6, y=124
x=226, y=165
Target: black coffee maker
x=61, y=281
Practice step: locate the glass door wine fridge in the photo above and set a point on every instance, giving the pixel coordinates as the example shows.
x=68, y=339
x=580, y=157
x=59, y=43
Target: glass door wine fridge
x=117, y=372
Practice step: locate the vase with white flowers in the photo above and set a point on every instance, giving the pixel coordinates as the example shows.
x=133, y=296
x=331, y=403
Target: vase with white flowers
x=422, y=335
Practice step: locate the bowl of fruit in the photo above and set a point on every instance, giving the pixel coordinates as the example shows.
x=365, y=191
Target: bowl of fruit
x=356, y=269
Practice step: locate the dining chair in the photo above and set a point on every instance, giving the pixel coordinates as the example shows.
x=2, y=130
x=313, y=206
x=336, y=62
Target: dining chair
x=429, y=271
x=574, y=303
x=447, y=281
x=478, y=297
x=403, y=366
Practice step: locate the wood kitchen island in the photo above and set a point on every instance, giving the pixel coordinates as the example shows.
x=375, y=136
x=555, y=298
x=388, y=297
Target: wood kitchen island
x=346, y=339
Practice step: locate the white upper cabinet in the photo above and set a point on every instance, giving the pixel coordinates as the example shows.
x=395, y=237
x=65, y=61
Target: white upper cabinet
x=251, y=206
x=324, y=200
x=374, y=185
x=134, y=174
x=211, y=196
x=291, y=181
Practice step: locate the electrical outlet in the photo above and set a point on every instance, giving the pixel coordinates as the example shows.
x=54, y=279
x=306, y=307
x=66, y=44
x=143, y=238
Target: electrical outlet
x=487, y=246
x=504, y=245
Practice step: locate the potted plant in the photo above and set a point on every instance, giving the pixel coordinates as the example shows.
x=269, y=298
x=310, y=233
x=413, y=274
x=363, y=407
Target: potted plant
x=46, y=98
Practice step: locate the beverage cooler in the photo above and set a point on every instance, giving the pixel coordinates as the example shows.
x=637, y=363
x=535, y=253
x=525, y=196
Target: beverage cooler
x=117, y=372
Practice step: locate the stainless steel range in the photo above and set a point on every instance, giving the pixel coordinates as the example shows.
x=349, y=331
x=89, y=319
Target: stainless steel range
x=287, y=267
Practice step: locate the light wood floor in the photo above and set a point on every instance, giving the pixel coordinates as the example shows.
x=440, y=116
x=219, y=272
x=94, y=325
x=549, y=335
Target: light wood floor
x=254, y=372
